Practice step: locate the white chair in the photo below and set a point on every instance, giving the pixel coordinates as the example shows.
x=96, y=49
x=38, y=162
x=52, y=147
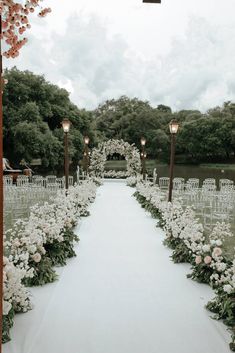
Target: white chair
x=193, y=183
x=209, y=181
x=70, y=180
x=50, y=179
x=226, y=184
x=164, y=183
x=22, y=180
x=38, y=181
x=7, y=180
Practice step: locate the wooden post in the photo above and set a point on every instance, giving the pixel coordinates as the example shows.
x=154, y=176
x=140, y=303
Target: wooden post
x=1, y=187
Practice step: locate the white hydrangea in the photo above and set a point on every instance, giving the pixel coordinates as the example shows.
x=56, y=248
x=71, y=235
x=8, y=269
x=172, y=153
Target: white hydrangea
x=15, y=294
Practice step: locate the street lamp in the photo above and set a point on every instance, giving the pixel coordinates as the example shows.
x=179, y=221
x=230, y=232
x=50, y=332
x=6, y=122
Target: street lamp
x=143, y=141
x=86, y=140
x=143, y=156
x=86, y=153
x=66, y=124
x=174, y=127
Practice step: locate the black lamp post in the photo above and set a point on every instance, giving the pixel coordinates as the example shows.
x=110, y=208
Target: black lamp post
x=174, y=127
x=143, y=156
x=152, y=1
x=86, y=153
x=66, y=127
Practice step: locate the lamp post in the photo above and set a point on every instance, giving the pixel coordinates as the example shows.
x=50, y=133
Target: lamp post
x=86, y=153
x=66, y=127
x=143, y=156
x=174, y=127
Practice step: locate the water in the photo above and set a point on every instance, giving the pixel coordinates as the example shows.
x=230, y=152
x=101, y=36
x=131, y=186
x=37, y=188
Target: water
x=197, y=172
x=183, y=171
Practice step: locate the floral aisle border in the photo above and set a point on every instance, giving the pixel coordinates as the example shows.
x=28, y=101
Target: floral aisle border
x=186, y=237
x=33, y=247
x=99, y=156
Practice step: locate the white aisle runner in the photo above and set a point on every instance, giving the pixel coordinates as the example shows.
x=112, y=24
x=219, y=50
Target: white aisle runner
x=122, y=294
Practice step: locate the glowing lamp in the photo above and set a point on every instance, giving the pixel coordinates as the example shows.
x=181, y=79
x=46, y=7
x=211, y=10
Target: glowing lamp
x=174, y=127
x=66, y=125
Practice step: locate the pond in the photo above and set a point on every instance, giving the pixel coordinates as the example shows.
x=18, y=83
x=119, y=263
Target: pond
x=217, y=171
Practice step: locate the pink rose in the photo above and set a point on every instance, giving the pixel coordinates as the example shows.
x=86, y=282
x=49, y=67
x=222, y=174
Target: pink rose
x=198, y=260
x=36, y=257
x=207, y=260
x=217, y=252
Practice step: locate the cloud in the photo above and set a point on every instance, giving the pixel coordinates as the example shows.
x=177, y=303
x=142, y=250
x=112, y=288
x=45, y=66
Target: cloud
x=198, y=72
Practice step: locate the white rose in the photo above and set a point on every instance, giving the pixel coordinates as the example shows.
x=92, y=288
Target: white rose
x=228, y=288
x=206, y=248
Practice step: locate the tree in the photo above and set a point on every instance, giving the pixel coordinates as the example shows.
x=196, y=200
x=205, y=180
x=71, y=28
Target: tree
x=33, y=112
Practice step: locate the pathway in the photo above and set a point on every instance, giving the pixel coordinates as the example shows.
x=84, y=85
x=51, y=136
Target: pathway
x=122, y=294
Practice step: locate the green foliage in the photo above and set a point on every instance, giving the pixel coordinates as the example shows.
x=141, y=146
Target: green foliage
x=35, y=108
x=7, y=323
x=181, y=254
x=201, y=273
x=130, y=119
x=33, y=112
x=44, y=273
x=223, y=305
x=171, y=242
x=59, y=252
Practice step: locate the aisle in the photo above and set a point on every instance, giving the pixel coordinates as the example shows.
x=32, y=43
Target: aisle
x=122, y=294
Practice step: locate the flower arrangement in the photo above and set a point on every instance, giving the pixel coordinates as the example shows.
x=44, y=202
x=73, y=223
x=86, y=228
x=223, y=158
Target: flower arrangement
x=99, y=156
x=210, y=264
x=186, y=236
x=132, y=181
x=33, y=247
x=16, y=297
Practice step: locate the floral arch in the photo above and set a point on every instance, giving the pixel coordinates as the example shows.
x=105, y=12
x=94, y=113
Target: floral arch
x=99, y=156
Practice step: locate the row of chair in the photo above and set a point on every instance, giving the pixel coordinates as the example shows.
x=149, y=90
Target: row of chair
x=194, y=183
x=50, y=181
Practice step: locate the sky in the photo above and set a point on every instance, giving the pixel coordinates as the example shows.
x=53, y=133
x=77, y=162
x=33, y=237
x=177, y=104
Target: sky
x=179, y=53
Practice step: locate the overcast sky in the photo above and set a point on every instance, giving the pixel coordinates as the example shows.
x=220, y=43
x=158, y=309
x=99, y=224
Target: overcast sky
x=180, y=53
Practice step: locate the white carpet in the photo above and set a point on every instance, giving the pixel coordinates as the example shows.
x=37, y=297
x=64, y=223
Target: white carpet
x=122, y=294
